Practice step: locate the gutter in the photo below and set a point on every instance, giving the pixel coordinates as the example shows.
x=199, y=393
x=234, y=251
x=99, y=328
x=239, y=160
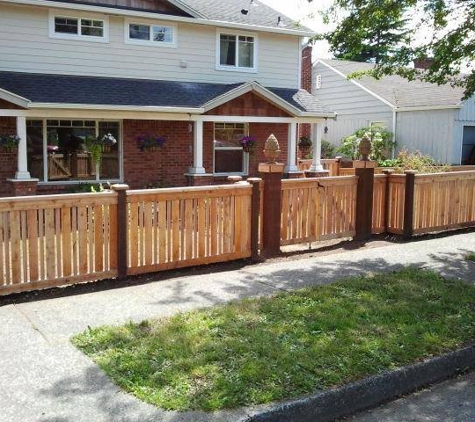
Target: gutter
x=159, y=16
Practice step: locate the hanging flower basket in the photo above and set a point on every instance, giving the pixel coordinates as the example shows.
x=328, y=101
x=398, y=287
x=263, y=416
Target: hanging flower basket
x=248, y=143
x=9, y=143
x=150, y=142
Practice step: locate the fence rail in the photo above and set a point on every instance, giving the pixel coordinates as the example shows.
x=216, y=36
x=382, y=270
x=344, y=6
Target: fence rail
x=318, y=209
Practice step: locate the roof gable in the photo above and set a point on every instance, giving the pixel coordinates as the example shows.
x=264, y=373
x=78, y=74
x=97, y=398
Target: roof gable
x=398, y=91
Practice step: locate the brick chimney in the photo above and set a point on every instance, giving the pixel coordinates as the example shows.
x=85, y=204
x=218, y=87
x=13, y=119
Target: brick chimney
x=305, y=83
x=306, y=75
x=424, y=63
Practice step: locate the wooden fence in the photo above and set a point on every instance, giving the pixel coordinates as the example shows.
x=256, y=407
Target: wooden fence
x=318, y=209
x=171, y=228
x=57, y=239
x=443, y=201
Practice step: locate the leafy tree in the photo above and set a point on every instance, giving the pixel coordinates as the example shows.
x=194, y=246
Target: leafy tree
x=376, y=32
x=449, y=25
x=381, y=143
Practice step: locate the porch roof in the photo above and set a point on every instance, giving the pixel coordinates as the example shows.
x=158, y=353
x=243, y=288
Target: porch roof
x=33, y=90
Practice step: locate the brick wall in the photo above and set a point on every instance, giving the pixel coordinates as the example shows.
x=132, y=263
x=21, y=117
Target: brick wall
x=165, y=167
x=306, y=83
x=169, y=164
x=8, y=160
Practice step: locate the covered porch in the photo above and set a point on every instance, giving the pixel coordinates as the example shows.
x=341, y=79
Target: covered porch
x=201, y=131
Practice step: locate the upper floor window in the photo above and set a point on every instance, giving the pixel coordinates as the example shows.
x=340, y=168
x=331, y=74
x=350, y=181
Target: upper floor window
x=236, y=51
x=145, y=33
x=84, y=28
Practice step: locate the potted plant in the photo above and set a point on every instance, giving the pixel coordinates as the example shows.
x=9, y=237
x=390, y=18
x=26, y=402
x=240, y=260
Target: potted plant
x=150, y=142
x=305, y=144
x=248, y=143
x=8, y=143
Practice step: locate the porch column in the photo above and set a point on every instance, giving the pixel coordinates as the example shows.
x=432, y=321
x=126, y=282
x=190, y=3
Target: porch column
x=317, y=131
x=22, y=166
x=291, y=166
x=197, y=167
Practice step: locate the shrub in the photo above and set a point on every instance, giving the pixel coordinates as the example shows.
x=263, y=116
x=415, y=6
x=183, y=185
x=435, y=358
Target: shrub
x=407, y=160
x=328, y=150
x=381, y=140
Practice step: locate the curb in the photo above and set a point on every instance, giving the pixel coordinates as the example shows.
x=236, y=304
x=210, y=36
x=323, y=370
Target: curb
x=369, y=392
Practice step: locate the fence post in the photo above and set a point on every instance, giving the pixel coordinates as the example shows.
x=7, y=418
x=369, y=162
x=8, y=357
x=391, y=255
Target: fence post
x=364, y=198
x=255, y=211
x=122, y=229
x=387, y=204
x=408, y=225
x=271, y=219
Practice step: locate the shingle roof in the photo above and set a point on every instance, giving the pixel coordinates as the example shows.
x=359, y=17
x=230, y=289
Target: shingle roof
x=230, y=11
x=399, y=91
x=68, y=89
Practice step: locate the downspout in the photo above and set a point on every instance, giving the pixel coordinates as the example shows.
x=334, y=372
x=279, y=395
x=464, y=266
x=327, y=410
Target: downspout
x=394, y=131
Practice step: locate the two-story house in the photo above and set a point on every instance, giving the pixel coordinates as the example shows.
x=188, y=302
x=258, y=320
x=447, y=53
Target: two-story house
x=194, y=75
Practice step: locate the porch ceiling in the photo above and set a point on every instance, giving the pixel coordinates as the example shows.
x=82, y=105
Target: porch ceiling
x=67, y=91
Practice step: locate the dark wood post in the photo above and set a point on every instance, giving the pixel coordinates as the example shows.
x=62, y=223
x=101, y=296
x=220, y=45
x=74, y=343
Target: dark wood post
x=272, y=176
x=122, y=229
x=364, y=199
x=255, y=211
x=387, y=204
x=408, y=225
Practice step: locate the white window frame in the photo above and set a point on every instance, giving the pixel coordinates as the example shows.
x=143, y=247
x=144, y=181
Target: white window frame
x=97, y=179
x=150, y=42
x=245, y=155
x=53, y=34
x=236, y=68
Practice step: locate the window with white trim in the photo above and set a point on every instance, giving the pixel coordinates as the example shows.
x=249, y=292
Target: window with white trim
x=229, y=157
x=73, y=150
x=84, y=28
x=236, y=51
x=152, y=34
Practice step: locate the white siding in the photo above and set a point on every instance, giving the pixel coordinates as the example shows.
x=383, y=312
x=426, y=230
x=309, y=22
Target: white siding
x=430, y=132
x=355, y=107
x=26, y=47
x=465, y=117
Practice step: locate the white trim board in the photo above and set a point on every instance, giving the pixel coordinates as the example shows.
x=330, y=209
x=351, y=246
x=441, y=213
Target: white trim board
x=14, y=98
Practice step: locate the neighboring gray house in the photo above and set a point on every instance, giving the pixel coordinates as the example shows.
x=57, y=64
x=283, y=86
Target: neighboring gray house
x=426, y=117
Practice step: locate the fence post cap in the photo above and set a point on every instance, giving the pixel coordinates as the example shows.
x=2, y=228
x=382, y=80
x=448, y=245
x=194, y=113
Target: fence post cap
x=410, y=172
x=388, y=171
x=120, y=186
x=254, y=179
x=234, y=178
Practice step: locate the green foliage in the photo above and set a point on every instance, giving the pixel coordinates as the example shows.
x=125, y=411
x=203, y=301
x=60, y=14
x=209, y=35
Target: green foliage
x=470, y=257
x=90, y=187
x=261, y=350
x=370, y=32
x=407, y=160
x=381, y=140
x=328, y=149
x=377, y=31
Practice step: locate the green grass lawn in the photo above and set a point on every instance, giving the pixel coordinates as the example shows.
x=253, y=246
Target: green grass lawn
x=260, y=350
x=470, y=257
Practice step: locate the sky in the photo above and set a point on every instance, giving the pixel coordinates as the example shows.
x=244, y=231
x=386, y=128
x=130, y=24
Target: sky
x=307, y=14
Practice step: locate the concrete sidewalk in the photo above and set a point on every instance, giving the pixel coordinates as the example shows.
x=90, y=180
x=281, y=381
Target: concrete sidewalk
x=44, y=378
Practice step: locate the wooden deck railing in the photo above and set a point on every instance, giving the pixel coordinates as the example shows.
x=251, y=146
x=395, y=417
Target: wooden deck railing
x=56, y=239
x=318, y=209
